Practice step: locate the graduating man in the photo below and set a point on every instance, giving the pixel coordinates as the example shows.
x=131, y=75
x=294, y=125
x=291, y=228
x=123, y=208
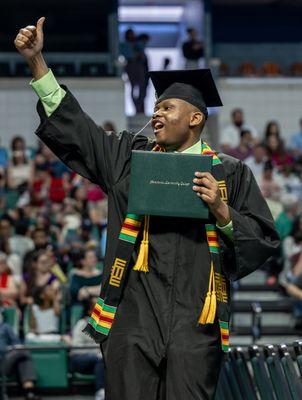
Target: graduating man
x=162, y=317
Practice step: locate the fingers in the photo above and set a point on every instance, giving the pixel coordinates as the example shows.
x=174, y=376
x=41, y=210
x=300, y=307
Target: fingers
x=205, y=181
x=23, y=41
x=30, y=32
x=205, y=175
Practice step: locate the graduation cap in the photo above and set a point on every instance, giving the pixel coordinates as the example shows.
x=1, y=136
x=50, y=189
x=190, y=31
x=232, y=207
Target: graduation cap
x=197, y=87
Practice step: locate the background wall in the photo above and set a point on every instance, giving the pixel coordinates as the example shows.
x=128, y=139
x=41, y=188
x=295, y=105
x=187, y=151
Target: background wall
x=102, y=99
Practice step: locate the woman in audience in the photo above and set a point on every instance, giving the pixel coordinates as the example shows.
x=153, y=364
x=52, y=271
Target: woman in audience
x=20, y=172
x=8, y=288
x=277, y=152
x=39, y=275
x=45, y=311
x=85, y=280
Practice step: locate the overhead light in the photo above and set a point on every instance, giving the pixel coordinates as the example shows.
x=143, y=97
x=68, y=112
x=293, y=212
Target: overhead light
x=150, y=13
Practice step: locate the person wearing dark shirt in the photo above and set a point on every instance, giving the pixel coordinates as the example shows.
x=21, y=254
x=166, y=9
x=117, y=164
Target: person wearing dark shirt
x=192, y=50
x=16, y=362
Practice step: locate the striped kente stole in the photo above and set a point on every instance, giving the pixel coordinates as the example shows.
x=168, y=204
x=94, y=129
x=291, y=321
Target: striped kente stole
x=216, y=301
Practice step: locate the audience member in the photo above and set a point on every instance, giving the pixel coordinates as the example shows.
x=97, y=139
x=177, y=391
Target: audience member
x=39, y=274
x=257, y=160
x=193, y=50
x=296, y=142
x=86, y=279
x=16, y=362
x=230, y=135
x=20, y=172
x=44, y=312
x=244, y=148
x=8, y=288
x=277, y=153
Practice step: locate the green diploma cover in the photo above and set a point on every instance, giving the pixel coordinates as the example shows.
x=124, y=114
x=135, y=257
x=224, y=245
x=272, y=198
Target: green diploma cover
x=161, y=184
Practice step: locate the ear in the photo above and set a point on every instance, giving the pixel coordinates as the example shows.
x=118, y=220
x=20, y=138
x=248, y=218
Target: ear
x=196, y=119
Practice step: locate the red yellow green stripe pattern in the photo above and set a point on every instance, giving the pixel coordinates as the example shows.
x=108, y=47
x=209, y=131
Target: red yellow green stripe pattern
x=130, y=228
x=212, y=238
x=206, y=150
x=225, y=334
x=102, y=317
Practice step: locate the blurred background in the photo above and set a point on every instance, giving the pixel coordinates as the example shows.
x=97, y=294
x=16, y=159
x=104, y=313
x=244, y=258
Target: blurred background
x=53, y=222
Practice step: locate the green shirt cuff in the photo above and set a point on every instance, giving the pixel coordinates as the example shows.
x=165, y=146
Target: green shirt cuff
x=49, y=91
x=227, y=229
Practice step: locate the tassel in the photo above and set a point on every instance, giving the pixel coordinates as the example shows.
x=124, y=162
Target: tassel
x=205, y=311
x=209, y=309
x=143, y=255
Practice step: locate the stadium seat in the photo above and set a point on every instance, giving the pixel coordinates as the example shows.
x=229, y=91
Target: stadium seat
x=244, y=377
x=261, y=377
x=293, y=380
x=247, y=68
x=296, y=68
x=276, y=373
x=51, y=367
x=298, y=352
x=271, y=69
x=232, y=378
x=223, y=391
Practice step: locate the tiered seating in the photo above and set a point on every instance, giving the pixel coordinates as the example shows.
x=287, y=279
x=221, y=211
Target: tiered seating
x=261, y=313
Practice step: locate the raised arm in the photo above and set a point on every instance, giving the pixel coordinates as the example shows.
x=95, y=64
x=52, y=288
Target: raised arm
x=65, y=128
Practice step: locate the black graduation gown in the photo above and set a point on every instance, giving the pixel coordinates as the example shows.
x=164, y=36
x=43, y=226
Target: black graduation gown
x=156, y=349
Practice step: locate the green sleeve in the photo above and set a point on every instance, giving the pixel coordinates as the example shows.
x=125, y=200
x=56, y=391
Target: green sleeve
x=227, y=229
x=49, y=92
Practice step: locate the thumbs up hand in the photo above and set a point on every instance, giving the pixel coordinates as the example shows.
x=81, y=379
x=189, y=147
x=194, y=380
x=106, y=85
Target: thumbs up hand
x=29, y=40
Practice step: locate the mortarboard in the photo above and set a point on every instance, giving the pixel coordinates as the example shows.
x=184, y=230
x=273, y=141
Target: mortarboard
x=197, y=87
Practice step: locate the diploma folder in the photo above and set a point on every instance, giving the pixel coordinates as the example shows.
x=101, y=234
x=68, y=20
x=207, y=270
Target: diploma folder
x=161, y=184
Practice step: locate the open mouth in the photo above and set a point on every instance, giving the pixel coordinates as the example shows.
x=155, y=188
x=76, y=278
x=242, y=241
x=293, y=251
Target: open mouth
x=158, y=126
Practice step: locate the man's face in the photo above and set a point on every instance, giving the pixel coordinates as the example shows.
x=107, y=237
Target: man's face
x=5, y=228
x=259, y=153
x=238, y=118
x=40, y=239
x=171, y=123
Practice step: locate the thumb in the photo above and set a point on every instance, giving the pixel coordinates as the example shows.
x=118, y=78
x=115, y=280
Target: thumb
x=40, y=23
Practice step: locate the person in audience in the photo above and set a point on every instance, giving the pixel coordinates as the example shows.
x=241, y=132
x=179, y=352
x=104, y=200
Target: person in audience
x=230, y=135
x=257, y=160
x=39, y=275
x=19, y=242
x=18, y=144
x=244, y=148
x=87, y=361
x=20, y=172
x=3, y=158
x=16, y=362
x=41, y=241
x=45, y=311
x=277, y=153
x=193, y=50
x=13, y=260
x=8, y=288
x=272, y=128
x=85, y=280
x=295, y=142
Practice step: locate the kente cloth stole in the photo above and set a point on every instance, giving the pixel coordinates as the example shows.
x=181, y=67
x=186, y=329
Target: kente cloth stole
x=216, y=301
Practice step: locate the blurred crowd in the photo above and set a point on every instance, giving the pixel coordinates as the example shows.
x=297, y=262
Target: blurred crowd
x=52, y=244
x=277, y=167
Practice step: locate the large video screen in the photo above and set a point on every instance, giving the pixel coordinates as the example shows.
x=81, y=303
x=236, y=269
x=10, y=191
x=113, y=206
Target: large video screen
x=70, y=26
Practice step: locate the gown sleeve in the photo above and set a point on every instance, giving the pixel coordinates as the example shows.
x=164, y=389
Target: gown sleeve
x=84, y=147
x=254, y=236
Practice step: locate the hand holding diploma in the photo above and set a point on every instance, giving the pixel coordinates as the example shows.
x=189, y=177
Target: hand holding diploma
x=206, y=187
